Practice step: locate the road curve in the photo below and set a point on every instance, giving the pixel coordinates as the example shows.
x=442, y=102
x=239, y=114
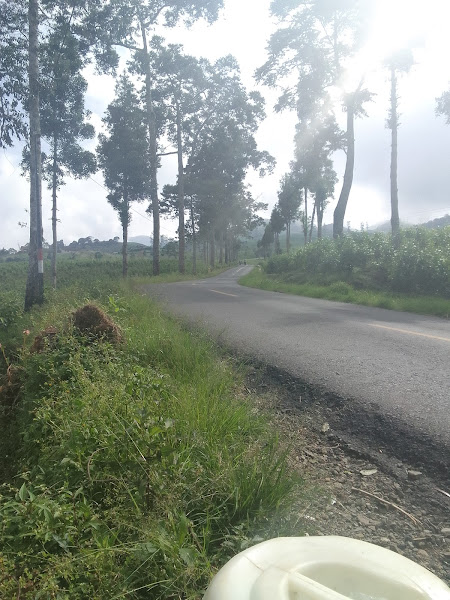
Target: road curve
x=398, y=364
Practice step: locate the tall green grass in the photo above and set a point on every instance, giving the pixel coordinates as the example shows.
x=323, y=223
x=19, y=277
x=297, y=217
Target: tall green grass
x=77, y=277
x=136, y=470
x=340, y=291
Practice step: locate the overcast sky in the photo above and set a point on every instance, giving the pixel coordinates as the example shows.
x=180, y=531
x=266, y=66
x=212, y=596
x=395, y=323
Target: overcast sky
x=243, y=30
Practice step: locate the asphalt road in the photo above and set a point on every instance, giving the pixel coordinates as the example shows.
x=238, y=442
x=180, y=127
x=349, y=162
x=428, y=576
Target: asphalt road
x=397, y=364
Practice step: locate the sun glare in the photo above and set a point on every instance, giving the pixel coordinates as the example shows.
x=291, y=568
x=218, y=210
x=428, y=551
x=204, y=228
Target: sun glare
x=397, y=24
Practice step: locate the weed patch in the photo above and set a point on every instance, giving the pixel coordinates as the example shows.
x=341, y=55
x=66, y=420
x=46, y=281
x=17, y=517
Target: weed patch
x=137, y=468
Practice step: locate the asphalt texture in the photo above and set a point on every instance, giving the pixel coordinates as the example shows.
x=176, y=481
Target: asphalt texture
x=386, y=373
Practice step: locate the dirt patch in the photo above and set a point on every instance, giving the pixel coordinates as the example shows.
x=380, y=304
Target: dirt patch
x=378, y=499
x=90, y=320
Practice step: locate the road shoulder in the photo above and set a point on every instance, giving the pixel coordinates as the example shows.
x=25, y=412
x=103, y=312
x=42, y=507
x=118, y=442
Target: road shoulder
x=352, y=493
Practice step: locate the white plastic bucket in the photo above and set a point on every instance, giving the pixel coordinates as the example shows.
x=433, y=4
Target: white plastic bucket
x=323, y=568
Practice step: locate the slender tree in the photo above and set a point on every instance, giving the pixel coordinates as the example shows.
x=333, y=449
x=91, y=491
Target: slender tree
x=34, y=293
x=130, y=24
x=28, y=23
x=63, y=115
x=289, y=201
x=353, y=106
x=314, y=43
x=180, y=84
x=123, y=156
x=267, y=240
x=400, y=62
x=278, y=225
x=314, y=144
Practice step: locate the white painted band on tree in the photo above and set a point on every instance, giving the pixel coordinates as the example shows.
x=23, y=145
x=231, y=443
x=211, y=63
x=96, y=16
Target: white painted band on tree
x=40, y=266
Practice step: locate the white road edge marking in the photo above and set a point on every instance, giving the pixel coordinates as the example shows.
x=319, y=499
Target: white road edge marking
x=433, y=337
x=224, y=293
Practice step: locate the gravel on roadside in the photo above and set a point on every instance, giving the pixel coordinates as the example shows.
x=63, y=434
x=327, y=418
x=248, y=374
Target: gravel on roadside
x=385, y=502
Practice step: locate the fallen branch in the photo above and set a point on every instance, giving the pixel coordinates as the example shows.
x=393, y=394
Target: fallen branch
x=413, y=519
x=442, y=492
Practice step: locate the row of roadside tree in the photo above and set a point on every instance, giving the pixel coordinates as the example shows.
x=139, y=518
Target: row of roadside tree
x=166, y=103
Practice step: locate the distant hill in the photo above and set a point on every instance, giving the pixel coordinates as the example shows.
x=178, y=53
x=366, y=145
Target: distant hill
x=440, y=222
x=386, y=227
x=434, y=224
x=145, y=240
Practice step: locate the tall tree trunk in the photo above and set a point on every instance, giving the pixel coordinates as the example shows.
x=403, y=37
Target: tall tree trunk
x=35, y=281
x=395, y=219
x=151, y=121
x=341, y=206
x=319, y=222
x=125, y=249
x=221, y=246
x=212, y=250
x=305, y=218
x=125, y=220
x=228, y=257
x=194, y=242
x=181, y=236
x=54, y=219
x=312, y=221
x=288, y=236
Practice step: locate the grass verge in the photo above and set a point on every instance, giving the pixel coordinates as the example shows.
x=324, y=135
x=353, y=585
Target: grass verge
x=341, y=291
x=135, y=470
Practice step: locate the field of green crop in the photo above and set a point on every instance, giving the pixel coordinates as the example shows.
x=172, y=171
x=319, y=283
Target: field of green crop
x=413, y=274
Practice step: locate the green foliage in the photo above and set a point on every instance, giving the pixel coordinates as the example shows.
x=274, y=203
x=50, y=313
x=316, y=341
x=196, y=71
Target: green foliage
x=123, y=153
x=418, y=264
x=11, y=308
x=300, y=285
x=12, y=73
x=289, y=198
x=132, y=480
x=411, y=275
x=62, y=112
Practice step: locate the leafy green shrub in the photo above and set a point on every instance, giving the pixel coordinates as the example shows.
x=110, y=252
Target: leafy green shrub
x=340, y=288
x=279, y=263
